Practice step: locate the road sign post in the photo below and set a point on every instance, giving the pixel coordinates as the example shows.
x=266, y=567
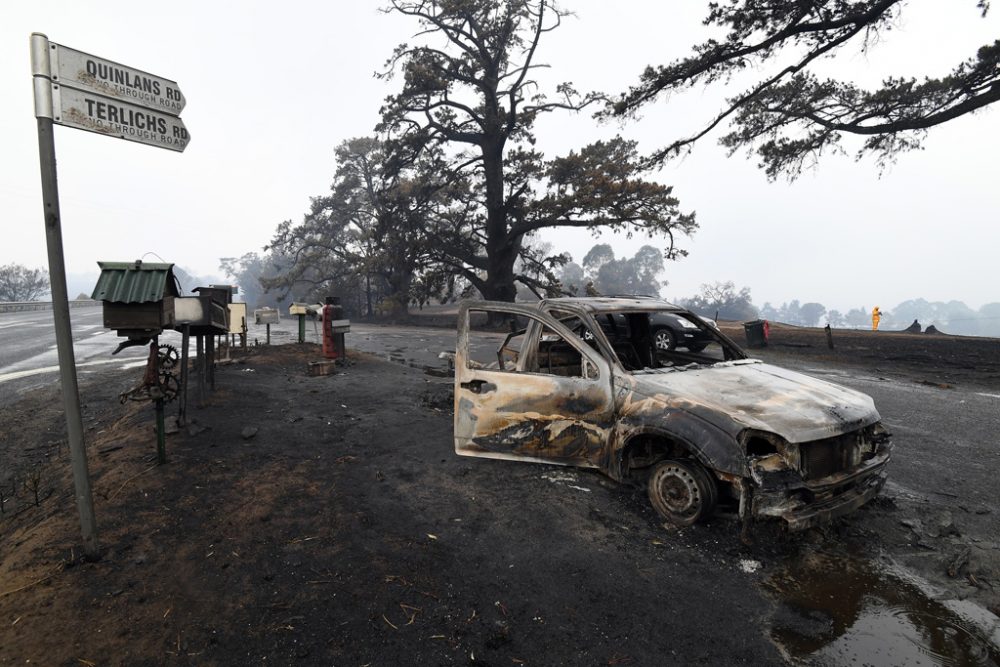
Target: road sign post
x=76, y=89
x=60, y=300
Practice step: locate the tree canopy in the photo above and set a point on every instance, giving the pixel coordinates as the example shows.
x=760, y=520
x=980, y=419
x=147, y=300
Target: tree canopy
x=250, y=272
x=468, y=89
x=602, y=273
x=723, y=300
x=19, y=283
x=791, y=115
x=373, y=225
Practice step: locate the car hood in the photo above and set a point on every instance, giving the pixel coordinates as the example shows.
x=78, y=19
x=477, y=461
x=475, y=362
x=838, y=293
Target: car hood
x=750, y=394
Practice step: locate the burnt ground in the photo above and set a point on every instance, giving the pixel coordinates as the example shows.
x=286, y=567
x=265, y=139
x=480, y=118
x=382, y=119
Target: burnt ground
x=938, y=359
x=344, y=531
x=326, y=520
x=937, y=515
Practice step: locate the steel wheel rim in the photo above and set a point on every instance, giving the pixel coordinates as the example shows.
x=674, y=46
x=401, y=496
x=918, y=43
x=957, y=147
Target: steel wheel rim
x=678, y=491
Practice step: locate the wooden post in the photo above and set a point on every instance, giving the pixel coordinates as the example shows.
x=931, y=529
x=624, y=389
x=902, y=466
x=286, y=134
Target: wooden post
x=200, y=367
x=210, y=360
x=185, y=338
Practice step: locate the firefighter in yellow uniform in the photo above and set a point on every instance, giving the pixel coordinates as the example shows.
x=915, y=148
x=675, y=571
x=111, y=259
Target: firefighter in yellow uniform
x=876, y=316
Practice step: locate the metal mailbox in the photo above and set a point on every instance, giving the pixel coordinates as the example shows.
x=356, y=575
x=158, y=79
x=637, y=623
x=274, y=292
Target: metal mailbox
x=220, y=293
x=266, y=316
x=203, y=314
x=139, y=297
x=237, y=318
x=304, y=308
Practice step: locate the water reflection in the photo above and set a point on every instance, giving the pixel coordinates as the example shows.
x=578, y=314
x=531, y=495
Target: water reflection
x=841, y=610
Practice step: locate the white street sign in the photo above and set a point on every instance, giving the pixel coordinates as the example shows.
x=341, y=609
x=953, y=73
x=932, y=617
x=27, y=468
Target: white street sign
x=81, y=70
x=113, y=117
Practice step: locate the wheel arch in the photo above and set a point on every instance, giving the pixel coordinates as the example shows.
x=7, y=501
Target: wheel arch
x=645, y=447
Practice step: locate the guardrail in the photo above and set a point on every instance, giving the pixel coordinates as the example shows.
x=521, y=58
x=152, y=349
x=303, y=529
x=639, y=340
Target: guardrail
x=18, y=306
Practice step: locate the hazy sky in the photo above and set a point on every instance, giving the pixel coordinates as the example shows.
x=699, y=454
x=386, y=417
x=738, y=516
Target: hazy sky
x=272, y=88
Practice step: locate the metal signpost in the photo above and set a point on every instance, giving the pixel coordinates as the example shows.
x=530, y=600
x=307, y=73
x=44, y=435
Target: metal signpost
x=78, y=90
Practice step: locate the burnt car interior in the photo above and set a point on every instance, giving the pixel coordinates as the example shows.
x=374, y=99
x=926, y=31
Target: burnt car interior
x=630, y=335
x=554, y=355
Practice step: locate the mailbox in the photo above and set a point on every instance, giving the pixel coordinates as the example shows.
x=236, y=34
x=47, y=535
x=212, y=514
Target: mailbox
x=139, y=297
x=219, y=293
x=303, y=308
x=204, y=315
x=232, y=289
x=238, y=318
x=266, y=316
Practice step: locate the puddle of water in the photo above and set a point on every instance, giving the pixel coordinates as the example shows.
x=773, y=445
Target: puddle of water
x=841, y=610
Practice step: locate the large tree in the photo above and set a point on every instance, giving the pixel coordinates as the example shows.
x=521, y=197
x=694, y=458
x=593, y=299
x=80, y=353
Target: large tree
x=469, y=89
x=607, y=275
x=791, y=115
x=723, y=300
x=372, y=226
x=251, y=271
x=19, y=283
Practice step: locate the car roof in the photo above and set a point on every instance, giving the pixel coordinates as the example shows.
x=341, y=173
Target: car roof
x=604, y=304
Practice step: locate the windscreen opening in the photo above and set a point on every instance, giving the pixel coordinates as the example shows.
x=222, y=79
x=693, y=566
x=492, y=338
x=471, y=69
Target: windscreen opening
x=663, y=339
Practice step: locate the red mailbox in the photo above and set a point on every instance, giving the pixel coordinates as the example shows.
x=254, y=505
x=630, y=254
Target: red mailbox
x=334, y=328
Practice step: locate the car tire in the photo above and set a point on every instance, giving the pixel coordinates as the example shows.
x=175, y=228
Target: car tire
x=664, y=339
x=681, y=492
x=711, y=487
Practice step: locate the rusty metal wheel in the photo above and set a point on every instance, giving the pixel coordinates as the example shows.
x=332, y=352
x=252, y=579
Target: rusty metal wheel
x=681, y=492
x=169, y=386
x=169, y=356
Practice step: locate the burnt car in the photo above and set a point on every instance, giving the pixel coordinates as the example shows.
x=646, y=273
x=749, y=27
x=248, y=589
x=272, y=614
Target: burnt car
x=582, y=382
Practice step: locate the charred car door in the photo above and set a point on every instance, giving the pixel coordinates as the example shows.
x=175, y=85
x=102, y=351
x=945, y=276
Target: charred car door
x=537, y=393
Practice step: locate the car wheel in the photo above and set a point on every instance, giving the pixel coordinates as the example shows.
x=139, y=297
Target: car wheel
x=664, y=339
x=681, y=492
x=711, y=487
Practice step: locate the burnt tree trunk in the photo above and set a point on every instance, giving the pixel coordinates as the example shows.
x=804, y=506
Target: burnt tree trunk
x=399, y=292
x=501, y=251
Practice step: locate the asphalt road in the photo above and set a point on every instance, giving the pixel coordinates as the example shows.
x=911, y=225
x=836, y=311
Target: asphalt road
x=28, y=356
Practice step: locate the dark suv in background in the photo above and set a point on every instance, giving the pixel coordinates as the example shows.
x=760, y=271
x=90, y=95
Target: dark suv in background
x=672, y=331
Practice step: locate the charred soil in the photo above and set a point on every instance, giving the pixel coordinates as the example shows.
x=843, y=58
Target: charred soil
x=326, y=520
x=937, y=359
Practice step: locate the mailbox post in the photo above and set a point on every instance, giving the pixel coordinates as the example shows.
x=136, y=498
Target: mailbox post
x=300, y=310
x=267, y=316
x=139, y=302
x=205, y=317
x=334, y=328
